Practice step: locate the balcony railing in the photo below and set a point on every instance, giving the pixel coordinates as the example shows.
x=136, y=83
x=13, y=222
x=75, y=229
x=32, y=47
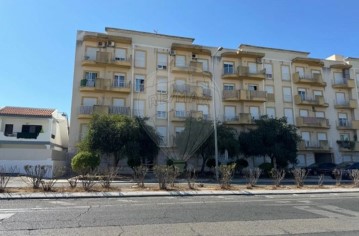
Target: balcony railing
x=116, y=110
x=241, y=118
x=315, y=122
x=350, y=104
x=314, y=79
x=246, y=72
x=86, y=110
x=343, y=83
x=312, y=101
x=320, y=145
x=107, y=58
x=346, y=124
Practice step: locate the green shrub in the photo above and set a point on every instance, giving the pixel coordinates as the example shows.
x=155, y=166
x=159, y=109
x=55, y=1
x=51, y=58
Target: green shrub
x=266, y=168
x=169, y=162
x=241, y=163
x=133, y=162
x=85, y=162
x=211, y=163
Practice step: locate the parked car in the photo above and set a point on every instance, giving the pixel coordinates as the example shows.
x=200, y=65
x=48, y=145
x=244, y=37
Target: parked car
x=321, y=168
x=342, y=166
x=346, y=171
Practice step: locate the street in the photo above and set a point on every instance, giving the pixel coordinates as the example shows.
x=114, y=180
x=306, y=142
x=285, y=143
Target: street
x=312, y=214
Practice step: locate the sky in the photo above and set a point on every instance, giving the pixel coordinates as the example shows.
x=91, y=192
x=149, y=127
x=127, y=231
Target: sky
x=37, y=37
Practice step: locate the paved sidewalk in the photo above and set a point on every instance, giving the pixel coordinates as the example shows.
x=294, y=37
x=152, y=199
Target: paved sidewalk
x=18, y=182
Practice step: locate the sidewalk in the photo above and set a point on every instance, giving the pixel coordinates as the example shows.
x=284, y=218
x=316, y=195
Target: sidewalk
x=18, y=182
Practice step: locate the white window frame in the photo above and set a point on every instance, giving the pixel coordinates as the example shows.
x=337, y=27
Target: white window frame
x=140, y=59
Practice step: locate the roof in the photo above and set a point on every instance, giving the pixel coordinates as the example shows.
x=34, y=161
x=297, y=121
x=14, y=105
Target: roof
x=26, y=111
x=268, y=48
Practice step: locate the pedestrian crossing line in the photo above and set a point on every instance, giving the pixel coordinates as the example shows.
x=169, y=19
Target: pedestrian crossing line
x=5, y=216
x=328, y=212
x=340, y=210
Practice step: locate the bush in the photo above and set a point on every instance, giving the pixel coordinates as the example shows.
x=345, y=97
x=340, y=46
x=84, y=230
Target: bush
x=211, y=163
x=169, y=162
x=133, y=162
x=241, y=164
x=266, y=168
x=85, y=162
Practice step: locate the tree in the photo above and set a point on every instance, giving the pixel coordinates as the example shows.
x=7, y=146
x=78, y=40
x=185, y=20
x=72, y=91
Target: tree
x=198, y=139
x=85, y=162
x=110, y=135
x=144, y=147
x=272, y=137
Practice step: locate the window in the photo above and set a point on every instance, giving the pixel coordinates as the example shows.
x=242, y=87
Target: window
x=204, y=64
x=318, y=94
x=178, y=130
x=306, y=138
x=90, y=78
x=269, y=89
x=139, y=108
x=252, y=68
x=228, y=87
x=228, y=68
x=162, y=61
x=162, y=132
x=162, y=85
x=229, y=113
x=252, y=87
x=303, y=113
x=140, y=59
x=322, y=136
x=161, y=110
x=120, y=54
x=87, y=105
x=204, y=110
x=270, y=112
x=119, y=81
x=269, y=71
x=302, y=94
x=287, y=94
x=344, y=137
x=29, y=131
x=180, y=109
x=91, y=53
x=285, y=73
x=118, y=107
x=338, y=78
x=84, y=129
x=340, y=97
x=319, y=114
x=300, y=71
x=343, y=119
x=180, y=61
x=9, y=128
x=288, y=113
x=139, y=83
x=254, y=112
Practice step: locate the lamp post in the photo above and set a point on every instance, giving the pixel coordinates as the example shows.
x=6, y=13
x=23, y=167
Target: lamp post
x=214, y=112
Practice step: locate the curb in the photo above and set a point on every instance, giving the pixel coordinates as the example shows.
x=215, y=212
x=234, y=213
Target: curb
x=67, y=195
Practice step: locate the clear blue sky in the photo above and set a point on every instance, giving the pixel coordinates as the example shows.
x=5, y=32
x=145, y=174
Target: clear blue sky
x=37, y=38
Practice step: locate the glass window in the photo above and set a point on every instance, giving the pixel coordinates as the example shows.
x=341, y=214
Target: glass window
x=270, y=112
x=162, y=61
x=119, y=80
x=180, y=61
x=285, y=73
x=288, y=113
x=162, y=85
x=269, y=71
x=228, y=87
x=120, y=54
x=161, y=110
x=140, y=59
x=287, y=94
x=139, y=83
x=228, y=68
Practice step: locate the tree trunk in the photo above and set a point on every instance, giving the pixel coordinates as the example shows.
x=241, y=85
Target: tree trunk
x=274, y=160
x=204, y=159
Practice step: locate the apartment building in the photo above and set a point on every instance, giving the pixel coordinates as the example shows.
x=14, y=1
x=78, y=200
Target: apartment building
x=167, y=78
x=33, y=136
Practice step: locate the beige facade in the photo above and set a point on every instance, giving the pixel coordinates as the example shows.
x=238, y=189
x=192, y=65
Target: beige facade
x=168, y=78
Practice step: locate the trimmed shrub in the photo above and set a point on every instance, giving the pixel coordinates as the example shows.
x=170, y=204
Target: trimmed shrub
x=266, y=168
x=85, y=162
x=211, y=163
x=133, y=162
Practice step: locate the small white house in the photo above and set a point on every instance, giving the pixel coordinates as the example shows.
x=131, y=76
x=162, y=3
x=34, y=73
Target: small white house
x=33, y=136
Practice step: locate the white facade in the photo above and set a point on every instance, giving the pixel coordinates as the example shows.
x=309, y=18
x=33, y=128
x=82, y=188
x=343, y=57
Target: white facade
x=33, y=139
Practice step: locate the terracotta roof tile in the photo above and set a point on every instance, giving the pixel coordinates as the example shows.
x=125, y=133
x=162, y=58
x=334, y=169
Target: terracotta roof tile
x=26, y=111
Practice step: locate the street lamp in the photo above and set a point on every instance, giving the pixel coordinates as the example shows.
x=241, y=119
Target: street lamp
x=214, y=112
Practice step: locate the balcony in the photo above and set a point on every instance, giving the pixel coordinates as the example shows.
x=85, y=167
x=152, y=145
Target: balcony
x=348, y=146
x=101, y=84
x=316, y=101
x=316, y=146
x=230, y=73
x=16, y=136
x=87, y=111
x=105, y=58
x=244, y=72
x=193, y=67
x=343, y=83
x=181, y=116
x=241, y=119
x=344, y=124
x=347, y=104
x=116, y=110
x=312, y=79
x=313, y=122
x=244, y=95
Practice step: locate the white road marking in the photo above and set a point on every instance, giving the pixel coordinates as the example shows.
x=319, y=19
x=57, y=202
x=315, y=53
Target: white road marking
x=62, y=203
x=340, y=210
x=324, y=213
x=5, y=216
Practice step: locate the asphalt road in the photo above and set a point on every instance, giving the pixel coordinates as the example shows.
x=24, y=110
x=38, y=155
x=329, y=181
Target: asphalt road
x=317, y=214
